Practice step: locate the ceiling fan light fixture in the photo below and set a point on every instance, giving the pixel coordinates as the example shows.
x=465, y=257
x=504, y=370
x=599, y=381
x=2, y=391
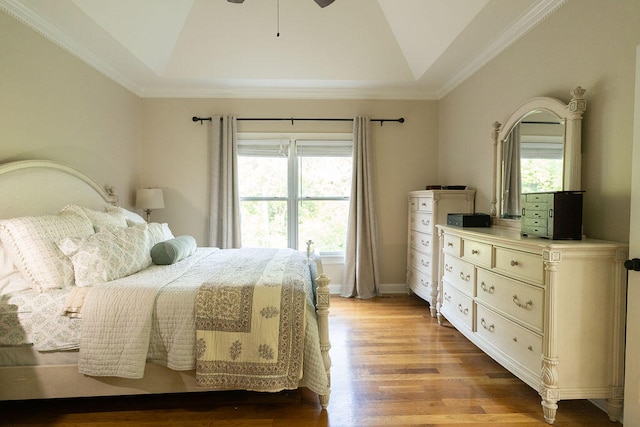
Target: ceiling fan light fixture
x=324, y=3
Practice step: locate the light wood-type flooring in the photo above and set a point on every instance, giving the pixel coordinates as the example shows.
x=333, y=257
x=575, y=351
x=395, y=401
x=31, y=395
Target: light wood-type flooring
x=393, y=365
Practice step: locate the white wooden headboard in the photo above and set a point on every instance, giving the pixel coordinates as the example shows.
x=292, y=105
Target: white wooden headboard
x=38, y=187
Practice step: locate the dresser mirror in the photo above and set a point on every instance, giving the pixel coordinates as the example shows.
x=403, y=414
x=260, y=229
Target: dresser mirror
x=537, y=149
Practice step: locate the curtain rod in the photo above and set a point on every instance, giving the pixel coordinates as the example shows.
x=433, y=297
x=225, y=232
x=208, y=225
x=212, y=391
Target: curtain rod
x=293, y=119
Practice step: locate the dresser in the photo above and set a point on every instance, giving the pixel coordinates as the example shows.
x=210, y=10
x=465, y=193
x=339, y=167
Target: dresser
x=426, y=209
x=551, y=312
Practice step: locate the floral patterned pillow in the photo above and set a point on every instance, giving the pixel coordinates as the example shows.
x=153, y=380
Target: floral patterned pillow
x=109, y=255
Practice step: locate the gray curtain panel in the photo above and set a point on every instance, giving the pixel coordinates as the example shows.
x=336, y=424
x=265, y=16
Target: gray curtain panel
x=511, y=188
x=361, y=275
x=224, y=219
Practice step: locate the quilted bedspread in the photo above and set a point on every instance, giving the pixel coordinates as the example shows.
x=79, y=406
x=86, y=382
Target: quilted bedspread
x=250, y=321
x=151, y=317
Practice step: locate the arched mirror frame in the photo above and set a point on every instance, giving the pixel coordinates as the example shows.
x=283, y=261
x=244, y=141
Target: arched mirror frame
x=570, y=115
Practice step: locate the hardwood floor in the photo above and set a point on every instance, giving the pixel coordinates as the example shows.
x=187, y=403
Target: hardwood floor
x=392, y=366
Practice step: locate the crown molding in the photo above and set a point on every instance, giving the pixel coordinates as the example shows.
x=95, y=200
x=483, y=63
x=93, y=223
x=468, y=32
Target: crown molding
x=58, y=37
x=253, y=92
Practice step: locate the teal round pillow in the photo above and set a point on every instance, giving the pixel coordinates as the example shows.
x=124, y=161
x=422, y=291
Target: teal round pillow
x=173, y=250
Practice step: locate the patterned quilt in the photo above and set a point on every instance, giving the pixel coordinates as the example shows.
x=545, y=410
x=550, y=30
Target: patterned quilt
x=250, y=321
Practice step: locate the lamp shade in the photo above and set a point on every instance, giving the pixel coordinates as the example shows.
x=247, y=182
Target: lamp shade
x=149, y=198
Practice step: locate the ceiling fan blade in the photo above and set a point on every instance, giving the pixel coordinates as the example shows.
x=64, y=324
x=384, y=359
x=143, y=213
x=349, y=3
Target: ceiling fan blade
x=324, y=3
x=321, y=3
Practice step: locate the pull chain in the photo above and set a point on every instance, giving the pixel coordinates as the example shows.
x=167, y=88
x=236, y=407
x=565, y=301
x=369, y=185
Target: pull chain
x=278, y=17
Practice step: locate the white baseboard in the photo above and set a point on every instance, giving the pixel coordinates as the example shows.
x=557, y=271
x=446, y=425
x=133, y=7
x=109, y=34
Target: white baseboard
x=385, y=288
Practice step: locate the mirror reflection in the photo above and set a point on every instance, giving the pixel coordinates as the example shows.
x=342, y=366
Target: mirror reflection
x=532, y=155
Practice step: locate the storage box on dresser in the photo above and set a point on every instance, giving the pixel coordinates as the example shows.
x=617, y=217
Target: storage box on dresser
x=555, y=215
x=426, y=209
x=551, y=312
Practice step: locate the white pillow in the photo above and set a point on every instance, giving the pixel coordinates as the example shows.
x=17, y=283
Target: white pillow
x=7, y=266
x=31, y=241
x=11, y=280
x=132, y=218
x=100, y=219
x=161, y=231
x=167, y=231
x=109, y=255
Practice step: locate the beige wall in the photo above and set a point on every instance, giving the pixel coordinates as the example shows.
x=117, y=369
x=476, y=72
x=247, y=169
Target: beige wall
x=590, y=43
x=175, y=157
x=55, y=107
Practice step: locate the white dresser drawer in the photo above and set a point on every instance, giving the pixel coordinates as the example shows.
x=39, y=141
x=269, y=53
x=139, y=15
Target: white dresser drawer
x=521, y=301
x=459, y=273
x=477, y=253
x=452, y=245
x=423, y=222
x=517, y=342
x=422, y=242
x=456, y=306
x=534, y=222
x=420, y=279
x=420, y=260
x=518, y=264
x=425, y=203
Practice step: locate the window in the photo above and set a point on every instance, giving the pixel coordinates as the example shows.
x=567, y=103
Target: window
x=294, y=190
x=541, y=164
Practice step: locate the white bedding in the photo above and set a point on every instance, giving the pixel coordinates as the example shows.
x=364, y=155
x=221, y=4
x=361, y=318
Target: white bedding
x=118, y=336
x=117, y=318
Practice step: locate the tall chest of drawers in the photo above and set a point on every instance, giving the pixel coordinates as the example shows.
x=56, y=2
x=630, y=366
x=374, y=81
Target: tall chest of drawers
x=551, y=312
x=426, y=209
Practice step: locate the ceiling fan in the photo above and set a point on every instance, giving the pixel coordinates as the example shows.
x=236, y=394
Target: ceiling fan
x=321, y=3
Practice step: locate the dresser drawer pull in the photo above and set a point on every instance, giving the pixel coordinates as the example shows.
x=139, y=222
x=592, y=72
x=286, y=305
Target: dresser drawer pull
x=427, y=222
x=514, y=263
x=463, y=310
x=526, y=305
x=423, y=283
x=465, y=278
x=450, y=244
x=489, y=328
x=530, y=348
x=425, y=263
x=474, y=252
x=448, y=268
x=425, y=242
x=447, y=297
x=488, y=290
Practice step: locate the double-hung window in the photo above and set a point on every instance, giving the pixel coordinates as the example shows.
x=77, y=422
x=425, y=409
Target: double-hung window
x=293, y=190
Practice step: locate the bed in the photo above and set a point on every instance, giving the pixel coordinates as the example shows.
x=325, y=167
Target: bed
x=95, y=301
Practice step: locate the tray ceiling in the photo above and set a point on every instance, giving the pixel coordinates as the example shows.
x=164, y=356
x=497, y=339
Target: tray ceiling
x=385, y=49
